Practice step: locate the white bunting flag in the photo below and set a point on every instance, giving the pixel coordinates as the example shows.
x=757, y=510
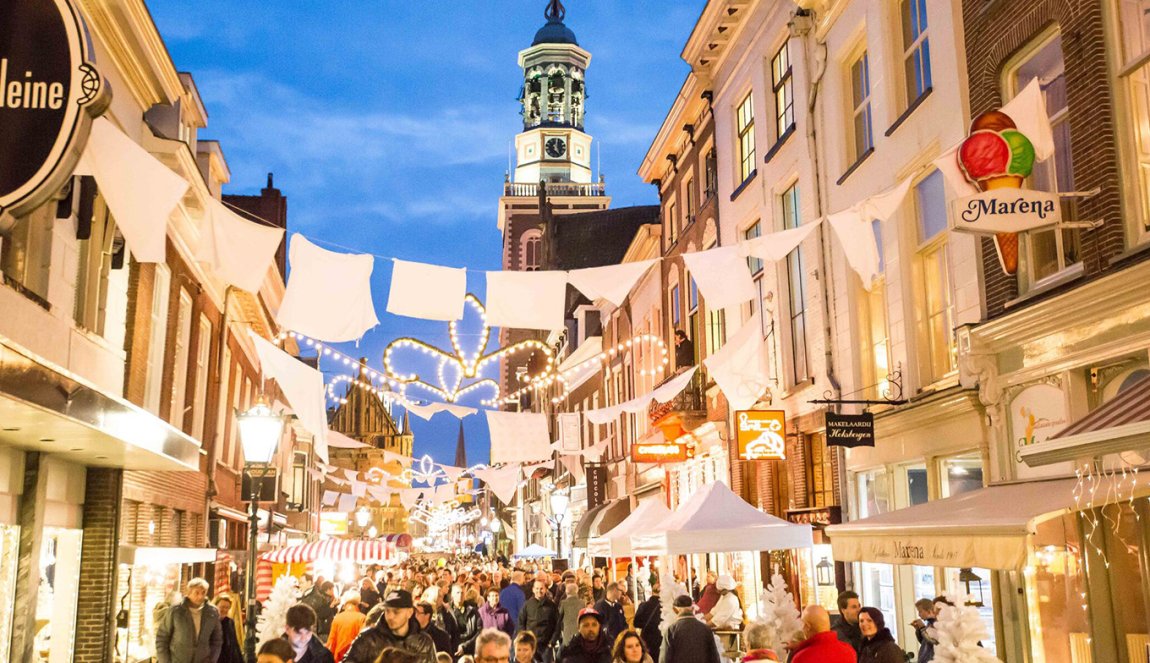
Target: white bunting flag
x=722, y=276
x=612, y=282
x=740, y=367
x=426, y=291
x=237, y=250
x=303, y=387
x=328, y=294
x=518, y=436
x=526, y=300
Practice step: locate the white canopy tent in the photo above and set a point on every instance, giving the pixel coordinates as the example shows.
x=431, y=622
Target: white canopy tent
x=617, y=542
x=716, y=520
x=534, y=551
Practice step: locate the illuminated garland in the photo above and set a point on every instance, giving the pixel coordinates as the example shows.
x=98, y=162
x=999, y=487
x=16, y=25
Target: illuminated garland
x=469, y=365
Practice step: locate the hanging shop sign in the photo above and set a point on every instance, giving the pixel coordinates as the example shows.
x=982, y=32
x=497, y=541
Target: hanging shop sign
x=817, y=517
x=997, y=158
x=596, y=485
x=658, y=452
x=850, y=430
x=761, y=434
x=49, y=93
x=570, y=431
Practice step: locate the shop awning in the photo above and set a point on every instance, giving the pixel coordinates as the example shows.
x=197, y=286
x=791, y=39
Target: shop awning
x=617, y=541
x=158, y=556
x=534, y=551
x=362, y=551
x=583, y=527
x=45, y=408
x=400, y=541
x=988, y=527
x=609, y=517
x=717, y=520
x=1122, y=424
x=588, y=349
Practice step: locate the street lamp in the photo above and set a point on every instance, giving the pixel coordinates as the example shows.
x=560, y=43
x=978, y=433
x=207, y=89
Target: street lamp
x=260, y=431
x=559, y=502
x=362, y=517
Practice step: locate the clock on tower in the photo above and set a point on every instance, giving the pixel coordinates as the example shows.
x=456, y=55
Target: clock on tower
x=556, y=147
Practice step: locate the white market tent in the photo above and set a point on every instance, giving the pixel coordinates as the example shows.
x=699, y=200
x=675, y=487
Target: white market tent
x=617, y=542
x=715, y=520
x=534, y=551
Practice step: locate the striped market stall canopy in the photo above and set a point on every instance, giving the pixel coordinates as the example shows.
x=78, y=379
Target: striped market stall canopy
x=362, y=551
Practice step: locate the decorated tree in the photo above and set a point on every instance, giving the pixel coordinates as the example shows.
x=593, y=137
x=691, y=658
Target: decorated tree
x=778, y=613
x=273, y=616
x=957, y=632
x=669, y=590
x=644, y=579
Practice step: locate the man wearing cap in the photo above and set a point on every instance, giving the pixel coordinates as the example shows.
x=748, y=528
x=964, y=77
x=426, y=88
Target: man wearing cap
x=688, y=640
x=590, y=644
x=398, y=628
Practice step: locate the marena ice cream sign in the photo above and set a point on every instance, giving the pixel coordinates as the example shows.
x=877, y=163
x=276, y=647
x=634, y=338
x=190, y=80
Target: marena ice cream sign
x=997, y=158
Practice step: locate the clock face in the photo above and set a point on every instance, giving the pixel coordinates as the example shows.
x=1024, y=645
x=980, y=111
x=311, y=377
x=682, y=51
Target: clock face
x=556, y=147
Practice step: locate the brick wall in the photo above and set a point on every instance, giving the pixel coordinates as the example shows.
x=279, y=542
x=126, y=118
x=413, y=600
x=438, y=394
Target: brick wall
x=95, y=611
x=998, y=29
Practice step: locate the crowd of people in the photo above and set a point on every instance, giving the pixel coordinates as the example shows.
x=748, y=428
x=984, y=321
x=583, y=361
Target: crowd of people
x=481, y=612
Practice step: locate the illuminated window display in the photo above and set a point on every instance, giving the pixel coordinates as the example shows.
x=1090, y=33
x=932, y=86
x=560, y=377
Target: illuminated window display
x=9, y=554
x=57, y=594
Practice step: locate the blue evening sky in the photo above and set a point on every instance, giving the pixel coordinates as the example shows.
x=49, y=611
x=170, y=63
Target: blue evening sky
x=388, y=124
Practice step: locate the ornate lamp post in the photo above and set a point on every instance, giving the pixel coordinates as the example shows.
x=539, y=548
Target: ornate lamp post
x=260, y=431
x=559, y=502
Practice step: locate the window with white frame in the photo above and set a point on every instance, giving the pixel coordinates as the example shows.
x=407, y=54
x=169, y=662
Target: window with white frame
x=1134, y=76
x=94, y=268
x=1046, y=252
x=672, y=223
x=223, y=437
x=781, y=88
x=157, y=338
x=676, y=308
x=693, y=326
x=745, y=124
x=915, y=49
x=935, y=309
x=532, y=250
x=200, y=395
x=874, y=335
x=181, y=355
x=862, y=135
x=797, y=291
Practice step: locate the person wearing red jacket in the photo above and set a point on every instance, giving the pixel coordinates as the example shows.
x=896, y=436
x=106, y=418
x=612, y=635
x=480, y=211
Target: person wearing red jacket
x=822, y=645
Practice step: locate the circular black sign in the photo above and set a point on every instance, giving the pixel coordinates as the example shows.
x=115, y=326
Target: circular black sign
x=45, y=85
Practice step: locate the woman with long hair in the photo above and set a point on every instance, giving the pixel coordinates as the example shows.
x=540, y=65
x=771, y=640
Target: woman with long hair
x=630, y=648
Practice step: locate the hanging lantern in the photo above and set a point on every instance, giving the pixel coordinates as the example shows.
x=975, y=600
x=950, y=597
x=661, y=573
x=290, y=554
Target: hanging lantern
x=825, y=573
x=967, y=576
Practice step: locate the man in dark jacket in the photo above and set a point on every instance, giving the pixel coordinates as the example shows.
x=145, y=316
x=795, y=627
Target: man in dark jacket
x=648, y=618
x=320, y=598
x=513, y=598
x=190, y=632
x=597, y=587
x=846, y=623
x=590, y=644
x=688, y=640
x=398, y=628
x=300, y=634
x=442, y=640
x=540, y=615
x=611, y=612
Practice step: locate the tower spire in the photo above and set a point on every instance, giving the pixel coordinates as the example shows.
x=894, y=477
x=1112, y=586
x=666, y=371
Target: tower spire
x=555, y=12
x=460, y=449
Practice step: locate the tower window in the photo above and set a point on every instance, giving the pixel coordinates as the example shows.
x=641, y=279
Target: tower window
x=531, y=245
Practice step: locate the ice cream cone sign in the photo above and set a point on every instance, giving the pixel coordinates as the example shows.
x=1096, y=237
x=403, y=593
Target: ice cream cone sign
x=997, y=156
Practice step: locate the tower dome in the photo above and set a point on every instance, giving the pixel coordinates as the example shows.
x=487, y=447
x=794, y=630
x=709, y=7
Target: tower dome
x=555, y=32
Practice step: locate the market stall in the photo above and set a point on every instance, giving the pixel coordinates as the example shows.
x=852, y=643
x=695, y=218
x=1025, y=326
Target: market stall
x=534, y=551
x=336, y=559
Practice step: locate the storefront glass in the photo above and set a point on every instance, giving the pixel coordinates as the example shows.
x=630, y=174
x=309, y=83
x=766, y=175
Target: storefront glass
x=874, y=493
x=9, y=554
x=1124, y=533
x=877, y=591
x=57, y=594
x=961, y=474
x=1056, y=593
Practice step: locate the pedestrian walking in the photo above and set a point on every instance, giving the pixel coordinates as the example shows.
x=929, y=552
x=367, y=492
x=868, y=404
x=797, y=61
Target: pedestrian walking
x=513, y=598
x=190, y=632
x=821, y=644
x=878, y=645
x=345, y=627
x=757, y=638
x=630, y=648
x=526, y=647
x=611, y=610
x=492, y=646
x=230, y=651
x=493, y=615
x=321, y=599
x=923, y=629
x=398, y=629
x=688, y=640
x=846, y=623
x=569, y=609
x=300, y=634
x=648, y=618
x=540, y=615
x=590, y=644
x=469, y=623
x=275, y=651
x=442, y=640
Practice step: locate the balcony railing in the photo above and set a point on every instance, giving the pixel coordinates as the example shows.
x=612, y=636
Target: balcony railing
x=689, y=403
x=518, y=189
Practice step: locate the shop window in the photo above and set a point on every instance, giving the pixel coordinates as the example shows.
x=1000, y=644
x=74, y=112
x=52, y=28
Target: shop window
x=874, y=496
x=876, y=589
x=1134, y=67
x=94, y=268
x=745, y=124
x=1044, y=253
x=961, y=474
x=861, y=134
x=180, y=362
x=157, y=338
x=915, y=49
x=56, y=597
x=917, y=488
x=796, y=275
x=781, y=88
x=9, y=556
x=935, y=310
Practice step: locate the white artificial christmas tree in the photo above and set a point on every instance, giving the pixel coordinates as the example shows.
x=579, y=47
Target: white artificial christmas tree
x=644, y=580
x=273, y=616
x=670, y=589
x=778, y=613
x=958, y=630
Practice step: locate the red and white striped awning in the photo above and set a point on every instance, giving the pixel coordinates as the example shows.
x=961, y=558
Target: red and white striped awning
x=337, y=550
x=400, y=541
